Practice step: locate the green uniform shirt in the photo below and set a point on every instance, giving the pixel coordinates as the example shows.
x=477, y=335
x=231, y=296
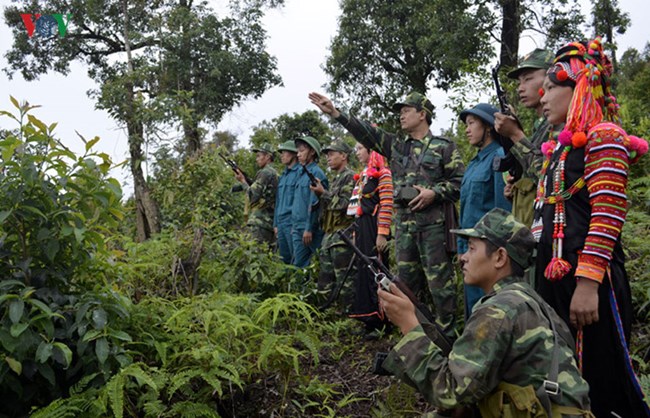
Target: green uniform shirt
x=335, y=202
x=507, y=339
x=529, y=154
x=261, y=198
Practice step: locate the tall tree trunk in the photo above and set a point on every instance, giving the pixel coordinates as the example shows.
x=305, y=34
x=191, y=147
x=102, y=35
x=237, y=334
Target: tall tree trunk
x=191, y=132
x=510, y=31
x=192, y=137
x=146, y=208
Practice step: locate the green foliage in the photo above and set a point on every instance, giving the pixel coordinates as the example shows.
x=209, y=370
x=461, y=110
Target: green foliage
x=199, y=353
x=58, y=323
x=384, y=49
x=57, y=208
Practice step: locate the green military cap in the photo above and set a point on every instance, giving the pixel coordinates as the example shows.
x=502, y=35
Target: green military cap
x=288, y=146
x=502, y=229
x=338, y=145
x=416, y=100
x=539, y=59
x=265, y=147
x=312, y=142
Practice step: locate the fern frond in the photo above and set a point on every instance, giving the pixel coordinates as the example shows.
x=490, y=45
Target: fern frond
x=192, y=409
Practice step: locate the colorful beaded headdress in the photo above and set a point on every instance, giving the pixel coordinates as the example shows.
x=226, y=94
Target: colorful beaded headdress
x=585, y=67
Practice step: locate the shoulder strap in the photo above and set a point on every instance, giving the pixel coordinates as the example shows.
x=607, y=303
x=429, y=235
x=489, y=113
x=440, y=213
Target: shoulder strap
x=550, y=388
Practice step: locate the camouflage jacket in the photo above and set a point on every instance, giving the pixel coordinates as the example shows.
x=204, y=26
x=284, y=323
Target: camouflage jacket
x=261, y=198
x=506, y=339
x=335, y=202
x=528, y=151
x=440, y=169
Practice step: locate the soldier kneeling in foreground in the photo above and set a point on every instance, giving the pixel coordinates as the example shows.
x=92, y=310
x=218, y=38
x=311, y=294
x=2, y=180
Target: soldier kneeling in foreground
x=514, y=356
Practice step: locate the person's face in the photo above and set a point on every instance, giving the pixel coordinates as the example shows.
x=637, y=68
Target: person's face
x=478, y=268
x=287, y=157
x=556, y=101
x=410, y=118
x=262, y=159
x=305, y=153
x=336, y=160
x=529, y=84
x=475, y=130
x=362, y=153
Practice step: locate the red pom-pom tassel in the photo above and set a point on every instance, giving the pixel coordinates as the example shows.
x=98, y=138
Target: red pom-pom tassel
x=356, y=177
x=540, y=92
x=562, y=75
x=556, y=269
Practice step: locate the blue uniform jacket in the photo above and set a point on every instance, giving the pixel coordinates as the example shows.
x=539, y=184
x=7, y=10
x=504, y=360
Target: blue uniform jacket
x=306, y=208
x=481, y=190
x=284, y=195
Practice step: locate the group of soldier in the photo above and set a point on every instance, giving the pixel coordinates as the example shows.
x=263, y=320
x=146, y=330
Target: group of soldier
x=516, y=354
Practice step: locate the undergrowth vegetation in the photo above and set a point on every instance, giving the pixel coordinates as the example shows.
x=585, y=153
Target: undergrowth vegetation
x=197, y=322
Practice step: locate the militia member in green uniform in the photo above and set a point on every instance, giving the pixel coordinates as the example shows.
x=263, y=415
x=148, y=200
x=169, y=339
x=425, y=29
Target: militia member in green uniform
x=530, y=75
x=515, y=356
x=427, y=172
x=335, y=255
x=261, y=195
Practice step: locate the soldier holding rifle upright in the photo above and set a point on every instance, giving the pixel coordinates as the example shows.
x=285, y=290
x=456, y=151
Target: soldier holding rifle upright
x=261, y=195
x=526, y=151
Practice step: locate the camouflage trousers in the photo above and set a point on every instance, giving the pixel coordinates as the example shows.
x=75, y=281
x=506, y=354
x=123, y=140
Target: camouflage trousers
x=426, y=267
x=335, y=258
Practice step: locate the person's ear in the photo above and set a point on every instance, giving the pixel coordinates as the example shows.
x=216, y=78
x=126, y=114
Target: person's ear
x=500, y=258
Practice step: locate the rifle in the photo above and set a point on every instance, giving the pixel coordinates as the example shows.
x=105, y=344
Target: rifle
x=236, y=168
x=508, y=162
x=312, y=178
x=383, y=277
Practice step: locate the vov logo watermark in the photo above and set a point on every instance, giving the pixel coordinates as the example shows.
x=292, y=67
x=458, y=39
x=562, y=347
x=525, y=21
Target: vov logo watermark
x=46, y=26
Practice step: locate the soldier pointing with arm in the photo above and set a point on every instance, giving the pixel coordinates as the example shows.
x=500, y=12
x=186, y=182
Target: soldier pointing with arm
x=427, y=172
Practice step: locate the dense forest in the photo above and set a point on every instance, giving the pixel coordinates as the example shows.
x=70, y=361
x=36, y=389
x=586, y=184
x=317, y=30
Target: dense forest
x=157, y=303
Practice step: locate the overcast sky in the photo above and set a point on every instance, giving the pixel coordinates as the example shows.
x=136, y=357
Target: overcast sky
x=299, y=35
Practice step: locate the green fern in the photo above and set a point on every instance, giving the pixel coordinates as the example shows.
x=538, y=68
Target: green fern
x=192, y=410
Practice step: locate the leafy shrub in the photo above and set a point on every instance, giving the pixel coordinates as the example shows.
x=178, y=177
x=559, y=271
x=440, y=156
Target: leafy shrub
x=58, y=322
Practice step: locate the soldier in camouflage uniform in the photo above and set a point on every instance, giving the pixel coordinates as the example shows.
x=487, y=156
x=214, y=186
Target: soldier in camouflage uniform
x=335, y=255
x=427, y=172
x=530, y=75
x=261, y=195
x=505, y=354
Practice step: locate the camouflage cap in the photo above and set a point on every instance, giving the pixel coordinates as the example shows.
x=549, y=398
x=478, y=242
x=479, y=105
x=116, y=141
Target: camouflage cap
x=265, y=147
x=312, y=142
x=538, y=59
x=288, y=146
x=416, y=100
x=338, y=145
x=502, y=229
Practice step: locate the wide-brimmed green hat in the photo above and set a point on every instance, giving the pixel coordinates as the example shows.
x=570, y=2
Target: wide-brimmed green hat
x=538, y=59
x=502, y=229
x=338, y=145
x=265, y=147
x=312, y=142
x=288, y=146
